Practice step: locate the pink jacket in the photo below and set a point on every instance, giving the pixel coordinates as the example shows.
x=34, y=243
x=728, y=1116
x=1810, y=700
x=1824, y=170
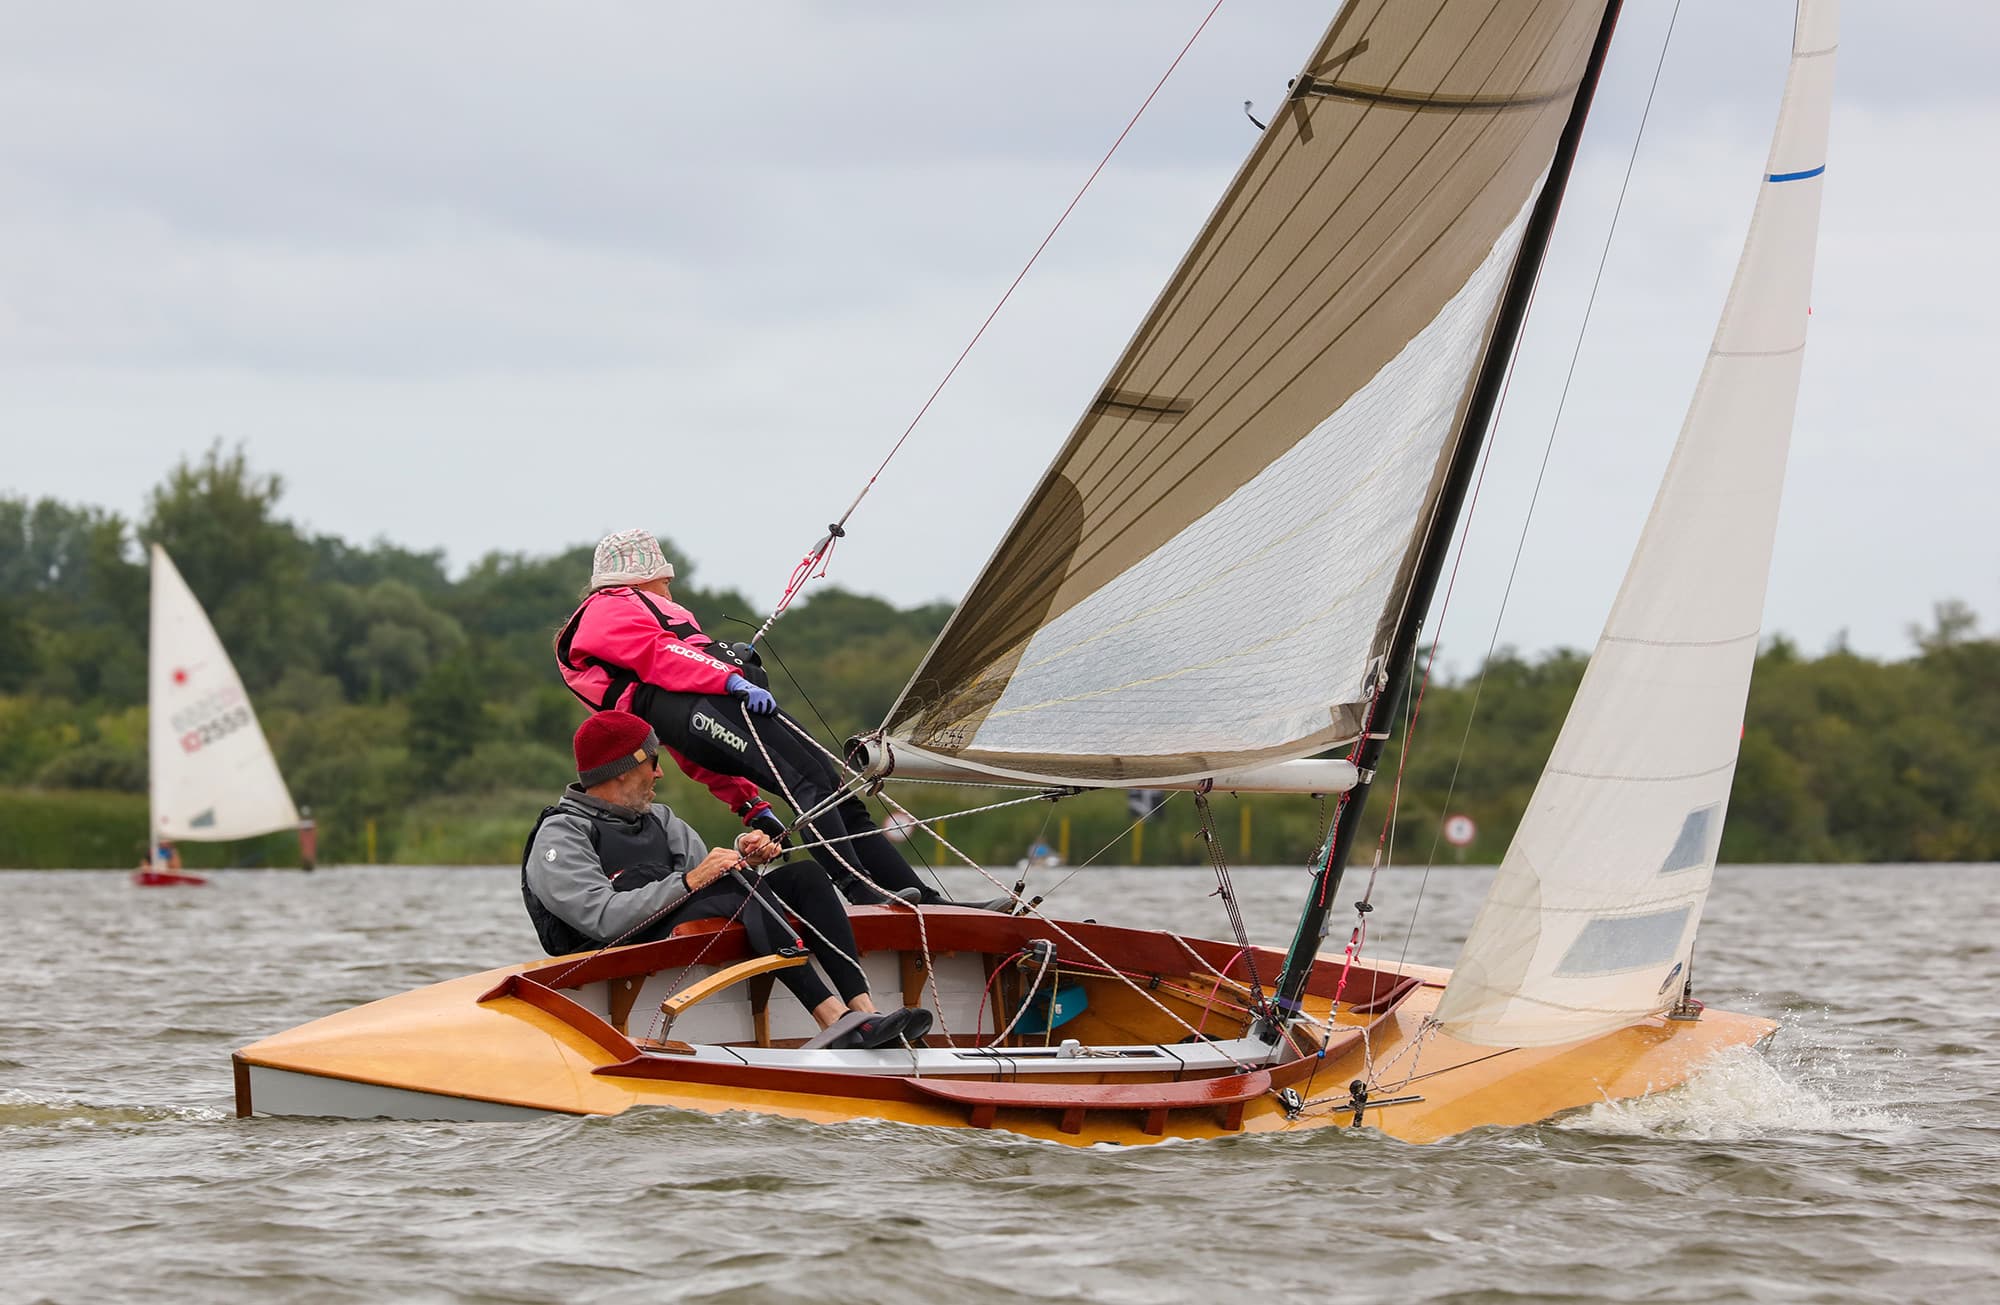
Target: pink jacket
x=617, y=628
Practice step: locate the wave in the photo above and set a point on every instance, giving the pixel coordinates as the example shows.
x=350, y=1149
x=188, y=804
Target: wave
x=1744, y=1093
x=24, y=1110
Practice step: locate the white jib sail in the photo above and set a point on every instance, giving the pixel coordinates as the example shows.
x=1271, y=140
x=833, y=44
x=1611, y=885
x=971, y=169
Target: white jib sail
x=1590, y=923
x=213, y=775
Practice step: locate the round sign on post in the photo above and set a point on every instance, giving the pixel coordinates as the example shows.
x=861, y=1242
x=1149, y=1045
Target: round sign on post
x=1459, y=831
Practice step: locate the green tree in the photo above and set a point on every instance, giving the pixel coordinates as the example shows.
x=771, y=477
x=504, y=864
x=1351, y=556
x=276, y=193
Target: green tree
x=19, y=657
x=448, y=715
x=216, y=519
x=74, y=622
x=335, y=561
x=389, y=636
x=429, y=706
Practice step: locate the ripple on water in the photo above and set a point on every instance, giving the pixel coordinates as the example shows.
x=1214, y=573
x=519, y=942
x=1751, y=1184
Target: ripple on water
x=1855, y=1161
x=20, y=1111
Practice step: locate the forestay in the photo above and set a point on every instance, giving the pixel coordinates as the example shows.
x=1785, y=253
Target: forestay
x=1210, y=573
x=213, y=776
x=1591, y=920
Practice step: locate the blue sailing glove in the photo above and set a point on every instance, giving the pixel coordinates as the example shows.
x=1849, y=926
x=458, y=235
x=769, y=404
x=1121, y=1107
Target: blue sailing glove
x=754, y=698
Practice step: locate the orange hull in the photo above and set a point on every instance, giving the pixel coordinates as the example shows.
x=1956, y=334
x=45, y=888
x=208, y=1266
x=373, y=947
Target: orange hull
x=571, y=1037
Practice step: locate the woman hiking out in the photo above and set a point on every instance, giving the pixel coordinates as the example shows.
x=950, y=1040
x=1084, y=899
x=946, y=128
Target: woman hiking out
x=630, y=647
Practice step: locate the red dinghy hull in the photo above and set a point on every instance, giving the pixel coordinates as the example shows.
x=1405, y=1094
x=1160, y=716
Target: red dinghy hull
x=166, y=879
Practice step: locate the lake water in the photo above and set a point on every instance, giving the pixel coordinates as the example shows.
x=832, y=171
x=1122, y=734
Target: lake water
x=1858, y=1160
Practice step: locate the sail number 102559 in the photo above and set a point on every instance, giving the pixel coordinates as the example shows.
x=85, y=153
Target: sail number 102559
x=215, y=728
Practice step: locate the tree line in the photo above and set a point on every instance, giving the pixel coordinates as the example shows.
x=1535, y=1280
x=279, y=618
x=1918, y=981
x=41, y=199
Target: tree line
x=419, y=714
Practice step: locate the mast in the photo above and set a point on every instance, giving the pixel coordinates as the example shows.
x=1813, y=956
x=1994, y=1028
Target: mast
x=154, y=861
x=1513, y=310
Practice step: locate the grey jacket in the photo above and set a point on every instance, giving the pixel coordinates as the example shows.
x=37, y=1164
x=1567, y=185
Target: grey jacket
x=564, y=871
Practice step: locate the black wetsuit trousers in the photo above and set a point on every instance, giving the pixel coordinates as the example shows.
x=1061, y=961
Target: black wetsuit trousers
x=716, y=731
x=801, y=890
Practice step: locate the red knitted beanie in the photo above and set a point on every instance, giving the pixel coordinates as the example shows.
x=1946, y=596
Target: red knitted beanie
x=609, y=743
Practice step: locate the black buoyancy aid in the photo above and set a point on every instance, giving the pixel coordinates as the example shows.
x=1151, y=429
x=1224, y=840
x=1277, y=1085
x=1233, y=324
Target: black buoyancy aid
x=632, y=852
x=742, y=656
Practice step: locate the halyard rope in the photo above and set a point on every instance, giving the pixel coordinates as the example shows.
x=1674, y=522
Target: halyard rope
x=1006, y=892
x=1088, y=861
x=926, y=822
x=1227, y=892
x=660, y=914
x=1021, y=1008
x=821, y=553
x=923, y=934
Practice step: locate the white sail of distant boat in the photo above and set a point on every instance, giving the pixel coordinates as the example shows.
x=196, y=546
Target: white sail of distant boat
x=212, y=775
x=1591, y=920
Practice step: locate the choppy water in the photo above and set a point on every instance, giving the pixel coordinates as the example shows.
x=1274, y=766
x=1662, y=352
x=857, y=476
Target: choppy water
x=1859, y=1160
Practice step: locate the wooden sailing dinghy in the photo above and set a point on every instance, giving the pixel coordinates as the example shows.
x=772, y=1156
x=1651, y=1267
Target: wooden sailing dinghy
x=1223, y=574
x=210, y=773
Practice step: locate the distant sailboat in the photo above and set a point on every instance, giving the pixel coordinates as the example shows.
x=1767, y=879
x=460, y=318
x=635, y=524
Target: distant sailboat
x=211, y=777
x=1225, y=572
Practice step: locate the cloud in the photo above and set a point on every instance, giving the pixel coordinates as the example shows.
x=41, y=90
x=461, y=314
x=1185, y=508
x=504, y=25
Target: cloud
x=477, y=276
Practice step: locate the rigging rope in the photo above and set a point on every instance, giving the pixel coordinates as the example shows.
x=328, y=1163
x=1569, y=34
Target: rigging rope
x=656, y=916
x=801, y=816
x=1358, y=936
x=833, y=734
x=1087, y=861
x=1024, y=907
x=821, y=553
x=926, y=822
x=751, y=885
x=1226, y=891
x=1077, y=943
x=1048, y=959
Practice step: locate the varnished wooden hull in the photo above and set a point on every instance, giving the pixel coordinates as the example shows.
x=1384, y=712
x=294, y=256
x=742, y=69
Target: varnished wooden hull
x=567, y=1037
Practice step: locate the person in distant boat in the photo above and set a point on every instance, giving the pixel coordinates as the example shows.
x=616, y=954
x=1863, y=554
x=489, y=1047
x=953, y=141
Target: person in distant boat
x=630, y=646
x=608, y=865
x=167, y=856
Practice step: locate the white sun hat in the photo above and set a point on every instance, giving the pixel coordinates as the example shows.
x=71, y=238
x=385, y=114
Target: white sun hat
x=630, y=557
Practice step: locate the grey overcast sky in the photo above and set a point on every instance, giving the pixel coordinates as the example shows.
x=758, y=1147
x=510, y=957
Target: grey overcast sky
x=506, y=275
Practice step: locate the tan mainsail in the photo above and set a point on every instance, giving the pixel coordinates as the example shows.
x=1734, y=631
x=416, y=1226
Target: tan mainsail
x=1209, y=574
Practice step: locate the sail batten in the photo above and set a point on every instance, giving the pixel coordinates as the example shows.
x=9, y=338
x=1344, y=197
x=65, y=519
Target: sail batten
x=1212, y=569
x=1591, y=919
x=1367, y=261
